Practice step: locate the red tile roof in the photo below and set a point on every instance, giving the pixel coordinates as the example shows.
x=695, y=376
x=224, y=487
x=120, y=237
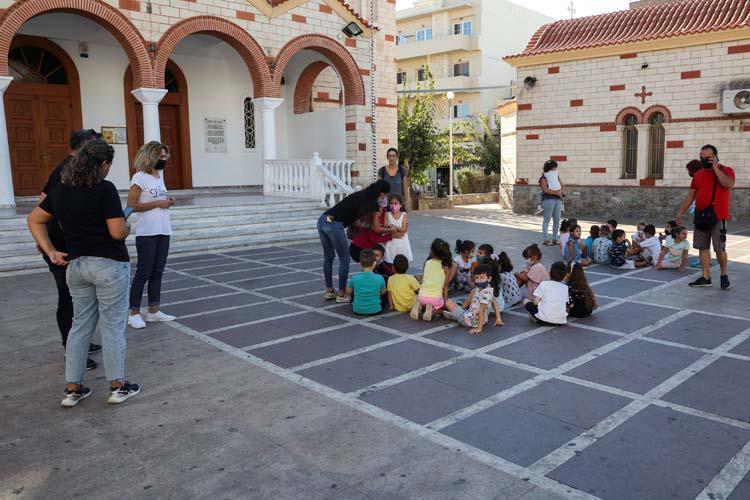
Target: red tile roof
x=666, y=20
x=348, y=7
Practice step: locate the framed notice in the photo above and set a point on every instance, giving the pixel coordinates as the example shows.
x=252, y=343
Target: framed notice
x=215, y=135
x=115, y=135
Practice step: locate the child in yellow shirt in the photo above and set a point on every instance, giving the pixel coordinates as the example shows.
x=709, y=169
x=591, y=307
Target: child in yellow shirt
x=402, y=287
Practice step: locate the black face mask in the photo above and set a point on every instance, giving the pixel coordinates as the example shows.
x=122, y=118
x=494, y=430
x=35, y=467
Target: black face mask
x=160, y=164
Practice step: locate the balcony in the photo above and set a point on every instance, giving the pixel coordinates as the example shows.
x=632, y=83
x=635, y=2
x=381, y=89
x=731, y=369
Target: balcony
x=455, y=83
x=413, y=49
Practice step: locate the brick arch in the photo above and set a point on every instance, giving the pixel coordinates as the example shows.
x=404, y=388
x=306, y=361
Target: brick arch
x=657, y=108
x=342, y=60
x=103, y=14
x=239, y=39
x=629, y=111
x=304, y=88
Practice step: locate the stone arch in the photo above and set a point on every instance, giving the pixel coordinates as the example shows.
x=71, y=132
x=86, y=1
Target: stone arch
x=239, y=39
x=103, y=14
x=629, y=111
x=342, y=60
x=657, y=108
x=305, y=86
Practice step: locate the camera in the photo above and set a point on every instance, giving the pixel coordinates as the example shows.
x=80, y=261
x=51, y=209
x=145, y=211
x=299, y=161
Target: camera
x=706, y=163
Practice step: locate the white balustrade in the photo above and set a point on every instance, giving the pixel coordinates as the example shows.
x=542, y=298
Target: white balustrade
x=329, y=181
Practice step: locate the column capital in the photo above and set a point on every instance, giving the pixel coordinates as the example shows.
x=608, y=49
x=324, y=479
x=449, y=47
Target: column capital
x=149, y=96
x=5, y=83
x=267, y=103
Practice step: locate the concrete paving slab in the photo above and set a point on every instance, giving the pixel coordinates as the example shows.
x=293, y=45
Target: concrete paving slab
x=294, y=289
x=254, y=312
x=243, y=336
x=410, y=355
x=403, y=323
x=240, y=274
x=206, y=305
x=627, y=317
x=170, y=297
x=701, y=330
x=666, y=275
x=743, y=489
x=281, y=279
x=481, y=376
x=743, y=348
x=352, y=373
x=459, y=336
x=182, y=283
x=623, y=287
x=224, y=268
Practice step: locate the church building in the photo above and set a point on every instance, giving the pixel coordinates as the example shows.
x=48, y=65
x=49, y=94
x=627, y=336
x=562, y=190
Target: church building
x=622, y=101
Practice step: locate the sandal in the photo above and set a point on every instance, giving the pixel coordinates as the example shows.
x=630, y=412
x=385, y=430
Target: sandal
x=330, y=294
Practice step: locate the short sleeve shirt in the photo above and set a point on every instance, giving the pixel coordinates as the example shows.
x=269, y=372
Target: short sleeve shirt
x=703, y=183
x=617, y=254
x=510, y=290
x=463, y=266
x=652, y=246
x=601, y=250
x=536, y=274
x=367, y=287
x=395, y=181
x=403, y=289
x=676, y=250
x=53, y=226
x=553, y=306
x=155, y=221
x=482, y=296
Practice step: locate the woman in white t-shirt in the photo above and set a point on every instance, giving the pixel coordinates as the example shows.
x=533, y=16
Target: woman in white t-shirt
x=148, y=199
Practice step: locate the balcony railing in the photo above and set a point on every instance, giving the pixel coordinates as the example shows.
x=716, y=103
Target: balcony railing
x=449, y=43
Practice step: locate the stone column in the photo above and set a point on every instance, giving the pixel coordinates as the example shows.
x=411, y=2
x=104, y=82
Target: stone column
x=267, y=107
x=642, y=167
x=150, y=99
x=7, y=198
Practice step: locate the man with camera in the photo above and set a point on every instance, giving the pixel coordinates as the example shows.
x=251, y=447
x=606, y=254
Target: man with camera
x=710, y=191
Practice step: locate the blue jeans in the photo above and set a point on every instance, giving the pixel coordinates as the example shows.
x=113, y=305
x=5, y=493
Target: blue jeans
x=99, y=288
x=552, y=208
x=333, y=238
x=152, y=257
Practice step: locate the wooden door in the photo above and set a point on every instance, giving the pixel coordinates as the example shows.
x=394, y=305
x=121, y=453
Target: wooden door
x=25, y=148
x=56, y=126
x=169, y=124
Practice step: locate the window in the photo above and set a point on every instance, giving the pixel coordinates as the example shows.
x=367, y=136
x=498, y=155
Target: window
x=402, y=39
x=170, y=82
x=249, y=124
x=401, y=77
x=462, y=28
x=424, y=34
x=461, y=69
x=36, y=65
x=422, y=74
x=461, y=110
x=629, y=147
x=656, y=146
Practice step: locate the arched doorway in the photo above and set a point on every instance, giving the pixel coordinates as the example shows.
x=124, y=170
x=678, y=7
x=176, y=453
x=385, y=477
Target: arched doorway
x=43, y=107
x=173, y=122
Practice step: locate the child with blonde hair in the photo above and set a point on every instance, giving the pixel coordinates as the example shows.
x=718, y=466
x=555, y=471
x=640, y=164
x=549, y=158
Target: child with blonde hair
x=435, y=279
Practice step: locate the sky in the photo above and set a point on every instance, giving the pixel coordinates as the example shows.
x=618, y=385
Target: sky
x=559, y=8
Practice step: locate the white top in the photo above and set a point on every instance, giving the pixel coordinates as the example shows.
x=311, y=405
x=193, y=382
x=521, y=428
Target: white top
x=553, y=306
x=155, y=221
x=463, y=266
x=553, y=180
x=397, y=245
x=652, y=246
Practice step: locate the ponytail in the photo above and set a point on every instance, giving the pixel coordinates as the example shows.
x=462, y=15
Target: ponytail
x=86, y=170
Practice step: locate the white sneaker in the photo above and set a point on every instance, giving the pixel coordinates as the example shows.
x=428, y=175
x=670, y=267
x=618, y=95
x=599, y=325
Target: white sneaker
x=159, y=316
x=135, y=321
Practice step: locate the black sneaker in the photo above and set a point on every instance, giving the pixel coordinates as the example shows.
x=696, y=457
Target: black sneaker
x=701, y=282
x=123, y=393
x=94, y=348
x=91, y=364
x=725, y=284
x=72, y=398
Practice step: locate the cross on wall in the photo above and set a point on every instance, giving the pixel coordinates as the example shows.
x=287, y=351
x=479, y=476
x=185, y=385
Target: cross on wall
x=643, y=94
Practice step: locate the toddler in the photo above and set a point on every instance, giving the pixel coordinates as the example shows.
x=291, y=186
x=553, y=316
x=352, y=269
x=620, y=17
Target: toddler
x=464, y=260
x=593, y=235
x=581, y=300
x=399, y=221
x=553, y=183
x=474, y=312
x=565, y=227
x=650, y=245
x=638, y=236
x=674, y=255
x=402, y=287
x=382, y=267
x=508, y=283
x=549, y=304
x=618, y=252
x=534, y=273
x=573, y=251
x=366, y=287
x=612, y=224
x=602, y=245
x=434, y=289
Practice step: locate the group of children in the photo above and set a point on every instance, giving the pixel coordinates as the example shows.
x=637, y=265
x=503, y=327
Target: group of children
x=608, y=245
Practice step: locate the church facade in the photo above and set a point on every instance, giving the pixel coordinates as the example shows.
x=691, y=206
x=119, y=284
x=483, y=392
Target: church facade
x=622, y=101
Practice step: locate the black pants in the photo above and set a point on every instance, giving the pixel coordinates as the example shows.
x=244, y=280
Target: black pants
x=64, y=300
x=152, y=257
x=534, y=310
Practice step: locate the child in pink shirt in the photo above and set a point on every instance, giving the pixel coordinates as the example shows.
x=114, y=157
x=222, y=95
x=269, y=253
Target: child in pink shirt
x=534, y=273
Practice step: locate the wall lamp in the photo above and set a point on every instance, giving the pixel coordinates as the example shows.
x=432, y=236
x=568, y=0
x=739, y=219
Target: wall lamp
x=352, y=29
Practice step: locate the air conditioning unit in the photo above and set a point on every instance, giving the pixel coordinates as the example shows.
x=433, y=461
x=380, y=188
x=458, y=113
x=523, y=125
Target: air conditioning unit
x=736, y=101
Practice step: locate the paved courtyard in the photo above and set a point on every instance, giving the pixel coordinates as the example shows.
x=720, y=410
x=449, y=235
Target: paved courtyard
x=262, y=389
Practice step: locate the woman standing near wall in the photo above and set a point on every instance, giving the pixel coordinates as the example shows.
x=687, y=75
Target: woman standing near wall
x=397, y=177
x=552, y=194
x=148, y=198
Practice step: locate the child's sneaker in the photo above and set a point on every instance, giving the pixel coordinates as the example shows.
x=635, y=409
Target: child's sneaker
x=429, y=310
x=120, y=394
x=415, y=310
x=539, y=210
x=135, y=321
x=72, y=398
x=330, y=294
x=449, y=315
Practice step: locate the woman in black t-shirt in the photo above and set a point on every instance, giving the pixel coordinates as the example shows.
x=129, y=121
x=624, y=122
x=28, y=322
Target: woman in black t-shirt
x=89, y=211
x=332, y=226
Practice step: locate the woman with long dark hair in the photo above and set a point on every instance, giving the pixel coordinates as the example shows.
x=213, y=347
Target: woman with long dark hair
x=332, y=226
x=552, y=196
x=89, y=212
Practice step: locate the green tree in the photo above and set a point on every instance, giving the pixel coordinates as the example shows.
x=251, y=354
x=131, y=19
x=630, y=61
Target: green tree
x=487, y=144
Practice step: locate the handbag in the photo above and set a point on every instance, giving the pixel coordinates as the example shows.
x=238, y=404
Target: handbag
x=706, y=219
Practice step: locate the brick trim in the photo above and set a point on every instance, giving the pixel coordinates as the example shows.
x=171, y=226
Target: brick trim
x=245, y=16
x=689, y=75
x=362, y=146
x=599, y=124
x=598, y=170
x=325, y=8
x=524, y=107
x=615, y=88
x=350, y=126
x=609, y=127
x=304, y=87
x=102, y=13
x=558, y=158
x=627, y=111
x=576, y=103
x=299, y=19
x=532, y=137
x=738, y=49
x=657, y=108
x=342, y=60
x=675, y=144
x=647, y=182
x=553, y=70
x=708, y=105
x=631, y=55
x=250, y=51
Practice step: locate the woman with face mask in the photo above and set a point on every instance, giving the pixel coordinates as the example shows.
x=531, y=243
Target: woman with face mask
x=148, y=199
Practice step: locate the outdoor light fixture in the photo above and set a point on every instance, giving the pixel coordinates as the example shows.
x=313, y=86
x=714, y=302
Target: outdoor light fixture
x=529, y=82
x=352, y=29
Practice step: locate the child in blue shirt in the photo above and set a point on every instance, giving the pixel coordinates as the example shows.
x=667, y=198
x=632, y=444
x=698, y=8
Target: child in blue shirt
x=366, y=287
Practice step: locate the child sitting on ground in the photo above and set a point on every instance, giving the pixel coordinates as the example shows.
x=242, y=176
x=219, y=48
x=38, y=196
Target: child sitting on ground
x=638, y=235
x=573, y=251
x=650, y=245
x=602, y=245
x=666, y=236
x=593, y=235
x=508, y=283
x=612, y=225
x=565, y=227
x=534, y=273
x=434, y=289
x=619, y=251
x=484, y=255
x=464, y=261
x=402, y=287
x=382, y=267
x=549, y=305
x=366, y=286
x=674, y=255
x=399, y=221
x=581, y=300
x=474, y=312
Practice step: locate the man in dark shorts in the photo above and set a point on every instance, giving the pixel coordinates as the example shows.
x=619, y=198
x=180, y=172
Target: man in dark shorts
x=713, y=176
x=64, y=301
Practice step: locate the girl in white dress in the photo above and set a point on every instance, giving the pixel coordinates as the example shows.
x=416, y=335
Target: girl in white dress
x=399, y=243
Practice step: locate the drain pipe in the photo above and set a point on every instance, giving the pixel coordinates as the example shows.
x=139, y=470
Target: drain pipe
x=373, y=98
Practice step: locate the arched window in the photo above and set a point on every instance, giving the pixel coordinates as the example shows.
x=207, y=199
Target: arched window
x=629, y=147
x=656, y=146
x=170, y=82
x=36, y=65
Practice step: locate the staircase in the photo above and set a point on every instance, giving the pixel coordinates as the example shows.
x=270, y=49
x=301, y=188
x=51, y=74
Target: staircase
x=211, y=222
